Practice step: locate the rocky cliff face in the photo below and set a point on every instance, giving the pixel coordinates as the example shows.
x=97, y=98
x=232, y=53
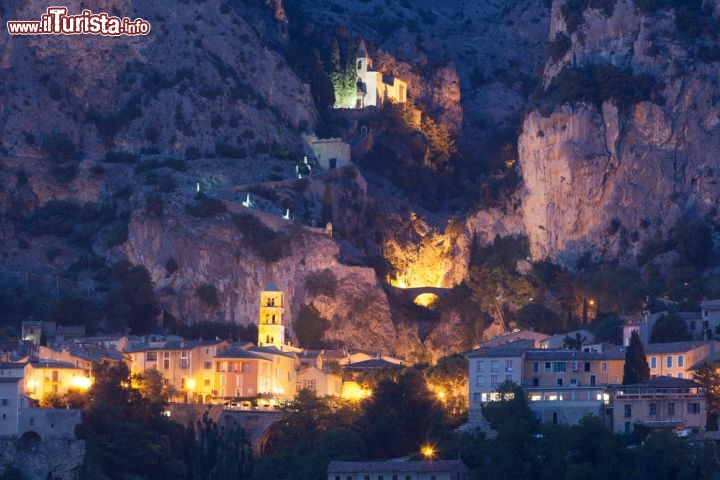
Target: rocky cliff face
x=601, y=179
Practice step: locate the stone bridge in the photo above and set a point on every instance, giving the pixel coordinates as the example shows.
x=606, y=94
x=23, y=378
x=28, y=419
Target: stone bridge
x=256, y=423
x=409, y=295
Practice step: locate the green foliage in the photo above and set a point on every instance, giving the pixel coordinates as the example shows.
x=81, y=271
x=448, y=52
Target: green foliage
x=271, y=246
x=559, y=47
x=617, y=289
x=449, y=375
x=131, y=302
x=598, y=83
x=220, y=453
x=572, y=11
x=59, y=146
x=204, y=206
x=211, y=330
x=399, y=416
x=607, y=327
x=537, y=316
x=574, y=343
x=442, y=146
x=709, y=375
x=670, y=328
x=11, y=473
x=636, y=368
x=73, y=310
x=309, y=327
x=511, y=404
x=79, y=224
x=321, y=282
x=208, y=294
x=693, y=241
x=119, y=156
x=344, y=77
x=124, y=431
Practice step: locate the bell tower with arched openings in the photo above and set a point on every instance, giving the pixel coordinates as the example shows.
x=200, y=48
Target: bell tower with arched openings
x=271, y=331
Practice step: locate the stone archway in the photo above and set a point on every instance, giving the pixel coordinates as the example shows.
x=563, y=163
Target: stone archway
x=29, y=440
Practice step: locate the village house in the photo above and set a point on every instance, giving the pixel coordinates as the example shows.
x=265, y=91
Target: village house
x=661, y=402
x=679, y=359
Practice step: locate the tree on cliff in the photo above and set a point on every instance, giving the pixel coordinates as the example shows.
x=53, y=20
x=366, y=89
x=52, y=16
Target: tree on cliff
x=670, y=328
x=343, y=78
x=636, y=367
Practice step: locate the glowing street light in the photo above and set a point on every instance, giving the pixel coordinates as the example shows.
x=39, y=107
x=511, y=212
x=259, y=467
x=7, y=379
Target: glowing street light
x=428, y=451
x=191, y=384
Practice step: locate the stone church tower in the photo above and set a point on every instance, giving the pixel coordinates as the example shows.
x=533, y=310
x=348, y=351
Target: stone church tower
x=271, y=331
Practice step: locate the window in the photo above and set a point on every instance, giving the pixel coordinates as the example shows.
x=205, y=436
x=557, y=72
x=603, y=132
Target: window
x=476, y=397
x=207, y=365
x=681, y=361
x=693, y=325
x=555, y=418
x=536, y=367
x=628, y=411
x=480, y=364
x=246, y=367
x=480, y=381
x=558, y=366
x=184, y=363
x=206, y=382
x=508, y=378
x=367, y=477
x=508, y=366
x=574, y=366
x=182, y=383
x=603, y=367
x=380, y=477
x=573, y=382
x=5, y=402
x=547, y=367
x=493, y=365
x=536, y=382
x=693, y=408
x=151, y=356
x=680, y=375
x=166, y=363
x=493, y=380
x=587, y=366
x=559, y=382
x=54, y=375
x=671, y=408
x=653, y=363
x=653, y=408
x=668, y=361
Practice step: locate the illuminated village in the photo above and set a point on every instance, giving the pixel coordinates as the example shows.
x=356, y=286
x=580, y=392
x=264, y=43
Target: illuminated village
x=360, y=240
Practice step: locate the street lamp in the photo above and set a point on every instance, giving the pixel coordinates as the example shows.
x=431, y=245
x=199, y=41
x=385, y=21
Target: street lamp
x=428, y=451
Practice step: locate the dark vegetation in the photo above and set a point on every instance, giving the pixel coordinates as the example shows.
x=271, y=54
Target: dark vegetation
x=600, y=82
x=128, y=437
x=271, y=246
x=309, y=327
x=403, y=415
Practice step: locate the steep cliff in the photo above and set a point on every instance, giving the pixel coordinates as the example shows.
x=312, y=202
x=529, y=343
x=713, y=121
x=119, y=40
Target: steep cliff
x=604, y=177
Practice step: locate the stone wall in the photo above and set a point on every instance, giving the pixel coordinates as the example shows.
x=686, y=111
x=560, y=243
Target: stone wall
x=56, y=459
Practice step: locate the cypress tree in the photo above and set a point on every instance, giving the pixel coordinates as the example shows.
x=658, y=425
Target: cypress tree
x=636, y=367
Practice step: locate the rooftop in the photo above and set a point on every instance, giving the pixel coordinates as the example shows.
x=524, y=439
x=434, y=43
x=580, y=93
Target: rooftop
x=400, y=467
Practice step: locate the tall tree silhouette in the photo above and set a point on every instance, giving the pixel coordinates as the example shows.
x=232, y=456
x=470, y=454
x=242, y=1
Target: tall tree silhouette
x=636, y=367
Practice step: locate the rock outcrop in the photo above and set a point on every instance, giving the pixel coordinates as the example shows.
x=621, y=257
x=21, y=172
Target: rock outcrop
x=602, y=178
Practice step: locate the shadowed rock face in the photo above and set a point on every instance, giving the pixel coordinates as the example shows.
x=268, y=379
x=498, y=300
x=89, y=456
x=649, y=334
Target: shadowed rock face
x=603, y=179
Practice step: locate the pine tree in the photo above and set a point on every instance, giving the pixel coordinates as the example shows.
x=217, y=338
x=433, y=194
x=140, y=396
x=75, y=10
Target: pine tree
x=636, y=367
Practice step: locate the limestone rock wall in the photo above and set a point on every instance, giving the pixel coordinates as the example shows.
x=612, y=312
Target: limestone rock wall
x=602, y=179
